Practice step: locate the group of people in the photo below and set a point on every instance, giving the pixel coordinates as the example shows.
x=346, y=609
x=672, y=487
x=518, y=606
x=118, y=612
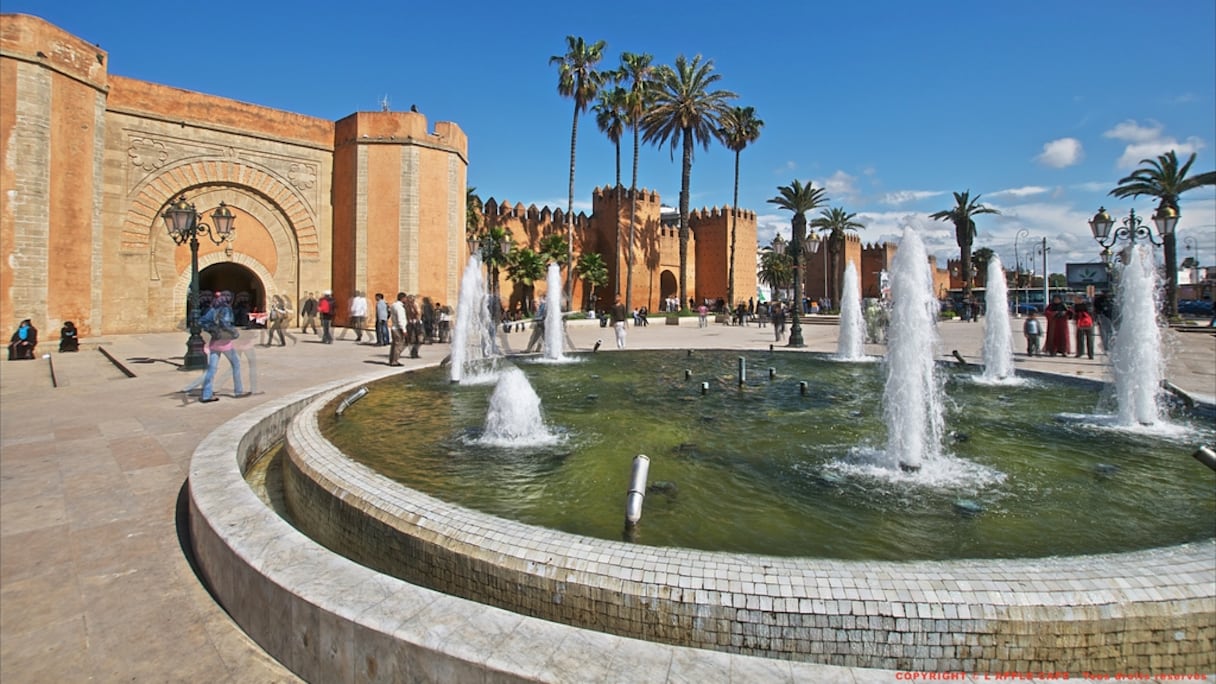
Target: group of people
x=24, y=341
x=1054, y=333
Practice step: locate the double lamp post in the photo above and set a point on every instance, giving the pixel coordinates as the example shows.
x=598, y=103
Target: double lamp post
x=184, y=225
x=1133, y=230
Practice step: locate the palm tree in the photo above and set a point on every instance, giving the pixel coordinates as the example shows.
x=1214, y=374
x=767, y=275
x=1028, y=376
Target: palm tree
x=1164, y=179
x=685, y=112
x=610, y=117
x=776, y=269
x=496, y=245
x=578, y=79
x=981, y=258
x=636, y=70
x=965, y=207
x=799, y=199
x=472, y=212
x=740, y=128
x=525, y=267
x=554, y=248
x=832, y=224
x=594, y=272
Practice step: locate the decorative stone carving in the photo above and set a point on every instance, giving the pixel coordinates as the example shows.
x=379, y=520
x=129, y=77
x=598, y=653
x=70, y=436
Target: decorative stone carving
x=303, y=176
x=147, y=154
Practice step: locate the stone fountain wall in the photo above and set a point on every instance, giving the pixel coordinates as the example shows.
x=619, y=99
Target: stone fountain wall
x=1149, y=611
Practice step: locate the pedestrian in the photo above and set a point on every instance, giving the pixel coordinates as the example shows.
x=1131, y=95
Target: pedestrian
x=277, y=316
x=325, y=307
x=618, y=322
x=382, y=334
x=219, y=324
x=1057, y=315
x=69, y=338
x=21, y=345
x=1033, y=330
x=399, y=325
x=309, y=311
x=778, y=316
x=413, y=328
x=1085, y=328
x=702, y=315
x=536, y=342
x=1104, y=313
x=358, y=314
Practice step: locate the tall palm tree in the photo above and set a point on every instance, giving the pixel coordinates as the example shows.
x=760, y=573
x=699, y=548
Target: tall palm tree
x=740, y=128
x=637, y=70
x=776, y=269
x=594, y=272
x=610, y=117
x=965, y=207
x=1164, y=179
x=685, y=112
x=472, y=212
x=799, y=199
x=578, y=79
x=832, y=224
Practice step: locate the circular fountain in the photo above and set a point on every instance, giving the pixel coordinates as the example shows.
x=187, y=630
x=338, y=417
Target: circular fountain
x=967, y=614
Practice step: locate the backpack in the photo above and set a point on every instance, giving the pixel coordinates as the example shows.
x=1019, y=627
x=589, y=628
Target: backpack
x=1084, y=320
x=323, y=305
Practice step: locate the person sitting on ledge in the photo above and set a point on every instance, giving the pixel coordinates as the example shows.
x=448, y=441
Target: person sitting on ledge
x=21, y=345
x=69, y=338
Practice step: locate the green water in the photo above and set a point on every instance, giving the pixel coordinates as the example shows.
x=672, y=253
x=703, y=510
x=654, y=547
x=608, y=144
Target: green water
x=763, y=469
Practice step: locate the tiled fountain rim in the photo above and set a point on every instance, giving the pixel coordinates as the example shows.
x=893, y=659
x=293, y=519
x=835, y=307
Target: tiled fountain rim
x=265, y=573
x=254, y=537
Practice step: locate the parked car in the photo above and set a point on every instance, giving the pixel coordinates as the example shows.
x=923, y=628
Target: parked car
x=1024, y=308
x=1195, y=307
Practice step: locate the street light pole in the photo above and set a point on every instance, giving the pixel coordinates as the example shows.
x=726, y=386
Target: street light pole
x=799, y=245
x=183, y=224
x=1132, y=231
x=1017, y=280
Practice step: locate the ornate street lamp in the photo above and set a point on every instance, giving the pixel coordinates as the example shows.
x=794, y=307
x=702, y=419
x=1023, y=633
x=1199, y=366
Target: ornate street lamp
x=183, y=224
x=1133, y=228
x=801, y=246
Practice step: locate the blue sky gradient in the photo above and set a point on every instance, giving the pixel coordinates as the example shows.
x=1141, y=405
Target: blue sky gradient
x=1040, y=107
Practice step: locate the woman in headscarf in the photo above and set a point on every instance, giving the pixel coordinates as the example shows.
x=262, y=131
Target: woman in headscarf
x=69, y=338
x=21, y=345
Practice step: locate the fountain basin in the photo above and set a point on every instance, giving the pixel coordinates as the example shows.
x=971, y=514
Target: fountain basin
x=329, y=618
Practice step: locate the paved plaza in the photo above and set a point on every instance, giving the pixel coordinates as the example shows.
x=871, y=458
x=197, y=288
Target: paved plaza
x=94, y=583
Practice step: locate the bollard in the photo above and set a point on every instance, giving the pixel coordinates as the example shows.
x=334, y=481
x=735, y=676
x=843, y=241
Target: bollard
x=687, y=374
x=742, y=371
x=802, y=388
x=1206, y=456
x=705, y=388
x=637, y=490
x=772, y=372
x=350, y=399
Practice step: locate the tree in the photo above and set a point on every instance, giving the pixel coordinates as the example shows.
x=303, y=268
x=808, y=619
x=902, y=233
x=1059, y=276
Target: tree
x=636, y=70
x=981, y=258
x=472, y=212
x=740, y=128
x=554, y=248
x=965, y=207
x=799, y=199
x=832, y=224
x=1164, y=179
x=496, y=245
x=610, y=117
x=594, y=272
x=524, y=268
x=685, y=112
x=577, y=79
x=776, y=269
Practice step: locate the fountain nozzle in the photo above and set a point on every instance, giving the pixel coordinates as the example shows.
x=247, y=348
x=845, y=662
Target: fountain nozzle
x=597, y=346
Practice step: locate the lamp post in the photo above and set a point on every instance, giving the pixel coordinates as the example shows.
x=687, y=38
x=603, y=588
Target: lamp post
x=1017, y=280
x=1132, y=231
x=800, y=244
x=183, y=224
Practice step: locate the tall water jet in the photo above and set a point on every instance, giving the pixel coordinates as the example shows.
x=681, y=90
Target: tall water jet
x=554, y=333
x=912, y=405
x=998, y=336
x=850, y=345
x=1136, y=357
x=514, y=417
x=473, y=337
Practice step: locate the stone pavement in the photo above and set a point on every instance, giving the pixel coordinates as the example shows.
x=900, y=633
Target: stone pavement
x=93, y=580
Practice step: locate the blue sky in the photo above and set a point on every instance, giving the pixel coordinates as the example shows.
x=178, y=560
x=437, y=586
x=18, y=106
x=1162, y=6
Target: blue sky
x=1040, y=107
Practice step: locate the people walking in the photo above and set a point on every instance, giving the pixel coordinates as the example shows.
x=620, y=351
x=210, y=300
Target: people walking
x=400, y=323
x=358, y=314
x=778, y=316
x=382, y=334
x=618, y=322
x=218, y=322
x=277, y=317
x=1085, y=328
x=413, y=328
x=309, y=311
x=1033, y=330
x=325, y=307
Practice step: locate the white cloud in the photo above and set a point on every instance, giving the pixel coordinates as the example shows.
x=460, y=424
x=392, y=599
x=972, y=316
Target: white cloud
x=1061, y=153
x=841, y=186
x=1134, y=153
x=905, y=196
x=1131, y=131
x=1024, y=191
